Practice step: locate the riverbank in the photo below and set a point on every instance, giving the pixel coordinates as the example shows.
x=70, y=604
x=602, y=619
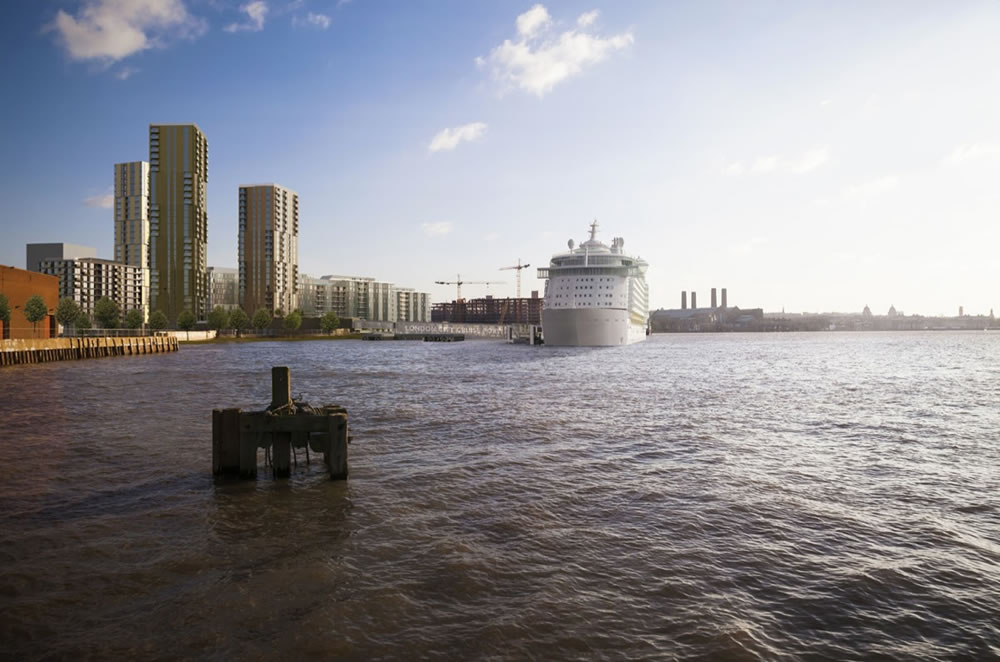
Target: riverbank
x=233, y=339
x=22, y=351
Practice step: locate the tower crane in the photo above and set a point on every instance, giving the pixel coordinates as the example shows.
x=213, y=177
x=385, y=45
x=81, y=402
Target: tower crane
x=518, y=266
x=458, y=282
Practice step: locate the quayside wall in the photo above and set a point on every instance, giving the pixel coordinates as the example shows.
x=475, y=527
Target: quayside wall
x=22, y=351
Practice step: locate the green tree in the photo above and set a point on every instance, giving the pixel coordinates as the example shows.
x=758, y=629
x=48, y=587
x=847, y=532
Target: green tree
x=329, y=322
x=133, y=319
x=279, y=313
x=185, y=322
x=158, y=321
x=239, y=320
x=82, y=322
x=293, y=320
x=67, y=311
x=35, y=311
x=107, y=313
x=218, y=318
x=5, y=313
x=262, y=319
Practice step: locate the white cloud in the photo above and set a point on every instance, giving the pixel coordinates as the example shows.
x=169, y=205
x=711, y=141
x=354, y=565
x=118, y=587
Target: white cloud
x=125, y=73
x=808, y=162
x=811, y=160
x=448, y=139
x=322, y=21
x=256, y=12
x=491, y=236
x=536, y=64
x=115, y=29
x=104, y=201
x=872, y=187
x=532, y=21
x=587, y=19
x=747, y=247
x=764, y=164
x=438, y=229
x=965, y=153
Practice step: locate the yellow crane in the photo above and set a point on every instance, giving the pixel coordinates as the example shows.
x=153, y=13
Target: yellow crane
x=458, y=282
x=518, y=266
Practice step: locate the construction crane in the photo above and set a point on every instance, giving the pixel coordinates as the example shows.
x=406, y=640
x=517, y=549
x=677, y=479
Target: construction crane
x=519, y=266
x=459, y=282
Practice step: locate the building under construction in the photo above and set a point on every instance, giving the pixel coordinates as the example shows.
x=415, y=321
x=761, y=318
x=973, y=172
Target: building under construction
x=490, y=311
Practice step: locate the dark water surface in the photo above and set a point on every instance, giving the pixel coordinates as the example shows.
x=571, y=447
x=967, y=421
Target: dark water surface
x=729, y=497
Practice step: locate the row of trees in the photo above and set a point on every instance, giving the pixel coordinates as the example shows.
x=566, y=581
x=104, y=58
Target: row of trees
x=237, y=320
x=108, y=314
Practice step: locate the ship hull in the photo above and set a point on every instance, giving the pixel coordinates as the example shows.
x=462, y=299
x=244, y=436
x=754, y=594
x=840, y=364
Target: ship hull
x=590, y=327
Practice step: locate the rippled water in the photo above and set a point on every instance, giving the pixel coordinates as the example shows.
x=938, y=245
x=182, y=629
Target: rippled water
x=816, y=496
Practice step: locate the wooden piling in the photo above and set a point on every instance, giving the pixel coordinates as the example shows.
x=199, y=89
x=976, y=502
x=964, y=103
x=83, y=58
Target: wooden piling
x=226, y=441
x=282, y=427
x=281, y=387
x=44, y=350
x=248, y=450
x=282, y=455
x=337, y=449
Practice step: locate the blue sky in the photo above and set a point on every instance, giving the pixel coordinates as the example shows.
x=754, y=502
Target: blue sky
x=807, y=156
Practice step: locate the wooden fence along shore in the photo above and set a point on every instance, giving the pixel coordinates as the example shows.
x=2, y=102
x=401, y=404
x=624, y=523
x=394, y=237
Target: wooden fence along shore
x=18, y=352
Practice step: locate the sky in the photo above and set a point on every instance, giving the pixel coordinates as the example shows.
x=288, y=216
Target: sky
x=808, y=156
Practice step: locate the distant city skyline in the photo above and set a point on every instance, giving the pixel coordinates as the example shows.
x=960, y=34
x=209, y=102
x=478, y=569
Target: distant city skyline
x=807, y=157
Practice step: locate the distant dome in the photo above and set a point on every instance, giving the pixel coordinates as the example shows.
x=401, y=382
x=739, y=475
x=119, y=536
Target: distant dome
x=892, y=311
x=867, y=312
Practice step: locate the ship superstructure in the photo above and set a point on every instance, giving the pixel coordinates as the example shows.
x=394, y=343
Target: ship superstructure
x=595, y=295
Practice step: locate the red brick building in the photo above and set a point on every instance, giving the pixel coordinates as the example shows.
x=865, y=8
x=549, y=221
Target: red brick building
x=19, y=286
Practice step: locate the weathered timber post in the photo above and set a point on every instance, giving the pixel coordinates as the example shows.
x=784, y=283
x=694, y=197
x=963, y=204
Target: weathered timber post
x=248, y=449
x=281, y=387
x=281, y=442
x=282, y=454
x=285, y=425
x=226, y=441
x=336, y=456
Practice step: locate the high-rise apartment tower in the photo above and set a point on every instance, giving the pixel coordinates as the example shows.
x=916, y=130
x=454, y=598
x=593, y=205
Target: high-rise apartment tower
x=131, y=212
x=178, y=219
x=268, y=248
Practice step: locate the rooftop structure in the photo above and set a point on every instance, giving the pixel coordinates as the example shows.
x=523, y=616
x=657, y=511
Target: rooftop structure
x=35, y=253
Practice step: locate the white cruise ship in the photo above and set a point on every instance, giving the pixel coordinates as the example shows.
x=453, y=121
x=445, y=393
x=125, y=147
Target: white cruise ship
x=595, y=295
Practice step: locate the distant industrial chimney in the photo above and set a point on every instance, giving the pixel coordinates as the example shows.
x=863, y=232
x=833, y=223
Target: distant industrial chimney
x=684, y=300
x=715, y=303
x=723, y=298
x=694, y=300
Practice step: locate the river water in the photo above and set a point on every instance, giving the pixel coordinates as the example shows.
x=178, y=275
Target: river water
x=721, y=497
